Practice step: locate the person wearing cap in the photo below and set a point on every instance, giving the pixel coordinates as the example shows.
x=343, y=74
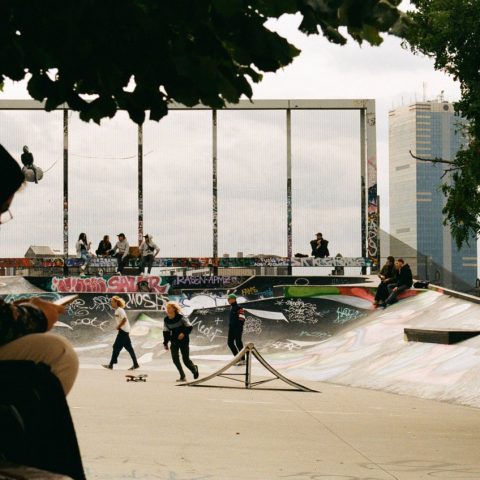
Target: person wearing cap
x=176, y=331
x=148, y=251
x=121, y=252
x=23, y=336
x=236, y=322
x=319, y=247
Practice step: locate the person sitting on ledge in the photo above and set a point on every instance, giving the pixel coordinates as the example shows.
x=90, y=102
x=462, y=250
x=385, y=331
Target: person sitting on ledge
x=387, y=276
x=319, y=247
x=403, y=281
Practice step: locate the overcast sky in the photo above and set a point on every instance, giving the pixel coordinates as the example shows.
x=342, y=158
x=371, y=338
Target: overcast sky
x=252, y=186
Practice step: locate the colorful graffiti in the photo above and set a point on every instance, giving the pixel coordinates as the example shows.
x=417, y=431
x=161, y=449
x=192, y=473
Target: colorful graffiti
x=190, y=262
x=114, y=284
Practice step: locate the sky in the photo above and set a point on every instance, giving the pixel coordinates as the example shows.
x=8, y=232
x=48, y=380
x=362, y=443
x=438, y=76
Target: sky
x=252, y=191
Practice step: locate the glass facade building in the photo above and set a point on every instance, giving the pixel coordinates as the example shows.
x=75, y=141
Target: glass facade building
x=428, y=130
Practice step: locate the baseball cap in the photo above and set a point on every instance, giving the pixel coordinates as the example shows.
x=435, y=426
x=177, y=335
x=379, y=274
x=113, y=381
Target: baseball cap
x=232, y=295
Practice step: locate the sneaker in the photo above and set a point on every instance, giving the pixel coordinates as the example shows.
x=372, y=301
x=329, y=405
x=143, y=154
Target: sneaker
x=195, y=373
x=181, y=380
x=134, y=367
x=110, y=367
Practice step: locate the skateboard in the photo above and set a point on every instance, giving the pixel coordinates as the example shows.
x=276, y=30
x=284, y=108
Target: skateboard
x=142, y=377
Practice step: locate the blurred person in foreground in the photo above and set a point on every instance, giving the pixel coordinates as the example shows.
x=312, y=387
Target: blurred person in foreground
x=46, y=437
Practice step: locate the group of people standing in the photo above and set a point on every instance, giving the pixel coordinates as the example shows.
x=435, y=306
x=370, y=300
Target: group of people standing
x=395, y=277
x=121, y=251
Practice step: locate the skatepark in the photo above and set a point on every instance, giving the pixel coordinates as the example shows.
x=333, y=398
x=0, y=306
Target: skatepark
x=384, y=407
x=381, y=406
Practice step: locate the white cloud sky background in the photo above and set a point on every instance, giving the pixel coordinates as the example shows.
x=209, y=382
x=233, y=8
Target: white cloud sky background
x=251, y=160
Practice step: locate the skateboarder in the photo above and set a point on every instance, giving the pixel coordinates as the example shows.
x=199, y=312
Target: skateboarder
x=235, y=327
x=123, y=335
x=176, y=330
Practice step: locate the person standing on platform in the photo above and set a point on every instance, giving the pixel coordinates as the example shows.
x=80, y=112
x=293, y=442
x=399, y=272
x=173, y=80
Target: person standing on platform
x=148, y=251
x=235, y=327
x=176, y=330
x=123, y=335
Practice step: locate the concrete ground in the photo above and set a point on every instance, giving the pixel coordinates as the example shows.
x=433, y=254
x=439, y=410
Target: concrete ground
x=157, y=430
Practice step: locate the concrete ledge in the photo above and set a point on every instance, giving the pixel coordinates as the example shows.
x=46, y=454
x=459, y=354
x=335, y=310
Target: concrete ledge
x=443, y=336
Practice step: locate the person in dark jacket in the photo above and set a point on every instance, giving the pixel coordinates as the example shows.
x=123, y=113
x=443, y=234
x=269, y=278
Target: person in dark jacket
x=319, y=247
x=27, y=160
x=104, y=247
x=24, y=324
x=387, y=276
x=176, y=330
x=235, y=327
x=403, y=281
x=48, y=439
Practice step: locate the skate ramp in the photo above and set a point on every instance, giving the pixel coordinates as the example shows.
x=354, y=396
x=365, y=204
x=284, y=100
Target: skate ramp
x=272, y=324
x=375, y=354
x=17, y=285
x=316, y=333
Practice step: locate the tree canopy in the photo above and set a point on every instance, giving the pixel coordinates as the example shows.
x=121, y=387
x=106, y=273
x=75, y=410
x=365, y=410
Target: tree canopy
x=449, y=32
x=139, y=55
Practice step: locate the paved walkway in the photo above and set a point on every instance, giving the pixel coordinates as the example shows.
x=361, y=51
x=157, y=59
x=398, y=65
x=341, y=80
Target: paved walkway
x=157, y=430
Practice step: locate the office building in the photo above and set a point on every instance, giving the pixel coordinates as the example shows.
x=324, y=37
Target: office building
x=428, y=130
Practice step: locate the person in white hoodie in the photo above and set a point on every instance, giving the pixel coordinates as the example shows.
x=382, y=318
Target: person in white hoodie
x=121, y=251
x=148, y=251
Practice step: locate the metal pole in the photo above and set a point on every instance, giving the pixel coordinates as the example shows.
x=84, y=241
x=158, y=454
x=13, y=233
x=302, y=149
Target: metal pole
x=140, y=184
x=363, y=193
x=289, y=190
x=65, y=188
x=214, y=193
x=248, y=369
x=373, y=226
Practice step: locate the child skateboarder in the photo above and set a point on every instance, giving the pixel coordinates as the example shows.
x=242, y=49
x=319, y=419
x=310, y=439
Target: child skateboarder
x=176, y=330
x=123, y=335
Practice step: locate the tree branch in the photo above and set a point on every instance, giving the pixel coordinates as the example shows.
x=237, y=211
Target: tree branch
x=434, y=160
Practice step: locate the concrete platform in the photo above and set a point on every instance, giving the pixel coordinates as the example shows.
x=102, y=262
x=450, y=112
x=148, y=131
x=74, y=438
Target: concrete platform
x=157, y=430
